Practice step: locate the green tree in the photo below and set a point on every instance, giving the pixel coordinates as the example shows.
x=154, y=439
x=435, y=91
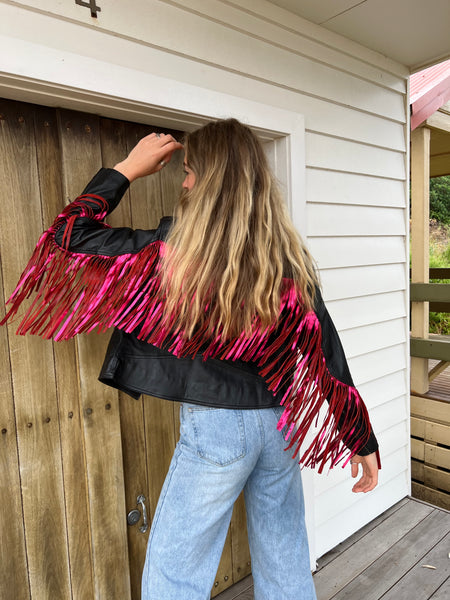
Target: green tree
x=440, y=199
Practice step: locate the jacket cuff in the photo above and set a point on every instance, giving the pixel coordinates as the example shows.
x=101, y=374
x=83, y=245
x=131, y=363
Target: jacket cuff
x=370, y=446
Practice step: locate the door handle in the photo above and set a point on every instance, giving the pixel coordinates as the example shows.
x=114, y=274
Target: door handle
x=134, y=515
x=141, y=501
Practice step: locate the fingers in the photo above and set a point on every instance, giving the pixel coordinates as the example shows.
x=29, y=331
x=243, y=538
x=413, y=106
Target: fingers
x=150, y=155
x=369, y=477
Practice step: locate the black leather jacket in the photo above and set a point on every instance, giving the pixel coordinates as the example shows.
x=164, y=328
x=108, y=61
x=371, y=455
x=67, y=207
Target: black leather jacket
x=137, y=367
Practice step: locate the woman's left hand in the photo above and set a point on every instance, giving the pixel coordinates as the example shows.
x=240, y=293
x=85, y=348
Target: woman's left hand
x=369, y=477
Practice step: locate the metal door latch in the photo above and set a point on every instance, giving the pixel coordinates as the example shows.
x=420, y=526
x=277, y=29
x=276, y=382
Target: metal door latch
x=135, y=514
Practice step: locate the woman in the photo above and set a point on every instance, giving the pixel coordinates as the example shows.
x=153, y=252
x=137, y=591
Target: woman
x=220, y=309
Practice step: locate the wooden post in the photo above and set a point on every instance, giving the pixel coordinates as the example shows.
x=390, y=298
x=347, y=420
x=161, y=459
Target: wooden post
x=420, y=213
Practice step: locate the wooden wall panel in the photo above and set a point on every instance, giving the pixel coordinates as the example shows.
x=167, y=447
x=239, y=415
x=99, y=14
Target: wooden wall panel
x=81, y=151
x=114, y=146
x=32, y=367
x=13, y=559
x=66, y=370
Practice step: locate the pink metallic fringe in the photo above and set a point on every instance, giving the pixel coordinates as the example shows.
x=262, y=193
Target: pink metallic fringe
x=77, y=293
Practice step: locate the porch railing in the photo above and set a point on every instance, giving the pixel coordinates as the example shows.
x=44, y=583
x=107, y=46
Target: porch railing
x=438, y=295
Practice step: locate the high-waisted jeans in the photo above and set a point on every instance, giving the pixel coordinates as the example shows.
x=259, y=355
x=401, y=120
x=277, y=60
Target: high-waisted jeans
x=221, y=452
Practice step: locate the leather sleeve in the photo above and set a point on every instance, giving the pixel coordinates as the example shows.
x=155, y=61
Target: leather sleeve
x=91, y=236
x=336, y=362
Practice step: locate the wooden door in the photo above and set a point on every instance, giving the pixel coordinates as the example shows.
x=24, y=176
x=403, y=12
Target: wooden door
x=75, y=454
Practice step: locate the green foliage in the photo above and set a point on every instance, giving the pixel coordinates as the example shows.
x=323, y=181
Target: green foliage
x=440, y=199
x=440, y=257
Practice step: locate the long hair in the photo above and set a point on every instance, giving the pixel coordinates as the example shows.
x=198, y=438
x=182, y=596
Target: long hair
x=232, y=241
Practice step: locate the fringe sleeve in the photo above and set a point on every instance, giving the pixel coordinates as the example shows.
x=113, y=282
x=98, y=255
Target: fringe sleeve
x=84, y=274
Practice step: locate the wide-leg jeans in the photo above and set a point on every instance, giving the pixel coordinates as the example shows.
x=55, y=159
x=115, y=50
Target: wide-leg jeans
x=221, y=452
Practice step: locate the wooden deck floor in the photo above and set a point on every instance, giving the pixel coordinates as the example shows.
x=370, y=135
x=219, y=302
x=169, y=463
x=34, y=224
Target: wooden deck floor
x=439, y=387
x=384, y=560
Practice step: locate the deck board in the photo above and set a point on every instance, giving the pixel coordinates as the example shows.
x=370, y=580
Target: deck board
x=420, y=582
x=384, y=559
x=440, y=387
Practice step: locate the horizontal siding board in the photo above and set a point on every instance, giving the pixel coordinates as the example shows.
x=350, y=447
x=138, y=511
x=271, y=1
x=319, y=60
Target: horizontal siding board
x=360, y=340
x=385, y=388
x=326, y=152
x=346, y=220
x=380, y=362
x=344, y=122
x=362, y=281
x=350, y=188
x=335, y=252
x=197, y=38
x=355, y=312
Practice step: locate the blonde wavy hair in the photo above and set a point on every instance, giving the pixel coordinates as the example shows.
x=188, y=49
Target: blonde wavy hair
x=232, y=240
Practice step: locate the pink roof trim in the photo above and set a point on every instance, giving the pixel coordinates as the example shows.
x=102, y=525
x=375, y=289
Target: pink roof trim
x=429, y=90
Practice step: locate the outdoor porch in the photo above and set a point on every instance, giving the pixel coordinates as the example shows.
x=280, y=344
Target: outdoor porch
x=384, y=560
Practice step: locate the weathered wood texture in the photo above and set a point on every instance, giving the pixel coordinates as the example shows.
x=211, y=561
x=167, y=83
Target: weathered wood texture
x=75, y=454
x=384, y=559
x=430, y=450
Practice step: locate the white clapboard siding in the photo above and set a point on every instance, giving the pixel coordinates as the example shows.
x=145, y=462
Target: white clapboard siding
x=380, y=362
x=351, y=188
x=328, y=152
x=339, y=220
x=360, y=340
x=335, y=252
x=394, y=412
x=170, y=27
x=354, y=106
x=362, y=281
x=341, y=122
x=290, y=39
x=385, y=388
x=322, y=116
x=354, y=312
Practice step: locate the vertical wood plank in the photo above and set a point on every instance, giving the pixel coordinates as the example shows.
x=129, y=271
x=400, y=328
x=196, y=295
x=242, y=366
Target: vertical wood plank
x=75, y=487
x=113, y=136
x=145, y=192
x=420, y=214
x=239, y=541
x=146, y=211
x=224, y=575
x=32, y=368
x=13, y=560
x=81, y=151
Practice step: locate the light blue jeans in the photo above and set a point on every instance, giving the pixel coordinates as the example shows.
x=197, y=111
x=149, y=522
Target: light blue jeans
x=221, y=452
